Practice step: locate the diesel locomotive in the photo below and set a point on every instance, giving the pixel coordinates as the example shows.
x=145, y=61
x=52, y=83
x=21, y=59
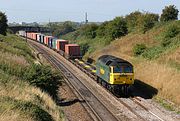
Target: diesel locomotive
x=114, y=73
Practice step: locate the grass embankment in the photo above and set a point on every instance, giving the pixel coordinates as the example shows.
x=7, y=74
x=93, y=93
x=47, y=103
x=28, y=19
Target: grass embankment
x=27, y=90
x=158, y=65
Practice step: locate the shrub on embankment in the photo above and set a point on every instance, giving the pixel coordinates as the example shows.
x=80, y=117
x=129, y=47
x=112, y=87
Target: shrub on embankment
x=27, y=90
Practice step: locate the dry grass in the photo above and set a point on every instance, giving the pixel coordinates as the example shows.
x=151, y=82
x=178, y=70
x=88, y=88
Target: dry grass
x=20, y=60
x=160, y=76
x=9, y=115
x=23, y=91
x=171, y=56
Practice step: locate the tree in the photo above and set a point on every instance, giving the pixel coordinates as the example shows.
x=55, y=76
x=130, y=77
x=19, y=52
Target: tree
x=101, y=31
x=84, y=48
x=117, y=28
x=146, y=21
x=89, y=30
x=59, y=29
x=132, y=20
x=3, y=23
x=169, y=13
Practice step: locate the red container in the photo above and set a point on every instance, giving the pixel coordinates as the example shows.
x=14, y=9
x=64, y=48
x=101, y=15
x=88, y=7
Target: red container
x=72, y=50
x=29, y=35
x=60, y=44
x=46, y=40
x=34, y=36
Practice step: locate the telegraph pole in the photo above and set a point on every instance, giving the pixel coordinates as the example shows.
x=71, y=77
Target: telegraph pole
x=86, y=18
x=50, y=27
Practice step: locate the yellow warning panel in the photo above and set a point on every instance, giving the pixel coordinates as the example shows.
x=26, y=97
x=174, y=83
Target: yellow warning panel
x=94, y=71
x=87, y=66
x=81, y=62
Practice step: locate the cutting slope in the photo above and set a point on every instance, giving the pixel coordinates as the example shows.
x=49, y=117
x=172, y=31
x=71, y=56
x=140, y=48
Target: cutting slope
x=162, y=70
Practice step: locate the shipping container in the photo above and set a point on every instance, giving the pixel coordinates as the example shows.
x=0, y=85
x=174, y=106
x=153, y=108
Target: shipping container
x=72, y=51
x=60, y=44
x=54, y=43
x=38, y=37
x=22, y=33
x=34, y=36
x=47, y=39
x=42, y=38
x=29, y=35
x=50, y=40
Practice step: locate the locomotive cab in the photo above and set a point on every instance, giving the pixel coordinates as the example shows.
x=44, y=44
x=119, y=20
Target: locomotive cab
x=118, y=74
x=121, y=74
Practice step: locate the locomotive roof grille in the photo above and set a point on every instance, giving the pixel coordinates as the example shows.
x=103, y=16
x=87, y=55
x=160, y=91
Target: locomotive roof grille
x=110, y=60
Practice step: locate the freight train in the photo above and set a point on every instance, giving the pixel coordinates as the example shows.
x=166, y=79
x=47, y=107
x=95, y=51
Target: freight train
x=115, y=74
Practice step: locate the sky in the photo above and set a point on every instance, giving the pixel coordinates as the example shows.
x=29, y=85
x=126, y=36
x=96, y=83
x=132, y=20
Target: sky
x=74, y=10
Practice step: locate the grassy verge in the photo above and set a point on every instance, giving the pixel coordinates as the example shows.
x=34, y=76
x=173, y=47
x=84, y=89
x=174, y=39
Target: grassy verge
x=167, y=105
x=27, y=90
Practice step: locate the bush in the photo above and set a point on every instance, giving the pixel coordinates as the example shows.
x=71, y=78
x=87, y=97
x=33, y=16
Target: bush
x=139, y=49
x=44, y=78
x=153, y=52
x=3, y=23
x=169, y=13
x=172, y=31
x=165, y=42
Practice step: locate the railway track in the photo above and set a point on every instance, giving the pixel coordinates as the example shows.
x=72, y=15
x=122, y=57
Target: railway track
x=140, y=111
x=137, y=101
x=100, y=112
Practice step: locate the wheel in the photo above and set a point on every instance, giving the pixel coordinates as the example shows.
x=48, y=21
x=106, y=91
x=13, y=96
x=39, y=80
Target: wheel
x=125, y=90
x=97, y=80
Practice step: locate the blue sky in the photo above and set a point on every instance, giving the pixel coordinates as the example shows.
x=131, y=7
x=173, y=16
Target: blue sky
x=74, y=10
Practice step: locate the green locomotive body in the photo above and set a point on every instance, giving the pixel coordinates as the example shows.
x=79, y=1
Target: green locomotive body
x=115, y=72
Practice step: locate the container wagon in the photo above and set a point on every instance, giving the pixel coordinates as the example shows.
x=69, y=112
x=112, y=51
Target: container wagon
x=72, y=51
x=60, y=46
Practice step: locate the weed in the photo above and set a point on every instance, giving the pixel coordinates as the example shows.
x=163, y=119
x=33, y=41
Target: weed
x=139, y=49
